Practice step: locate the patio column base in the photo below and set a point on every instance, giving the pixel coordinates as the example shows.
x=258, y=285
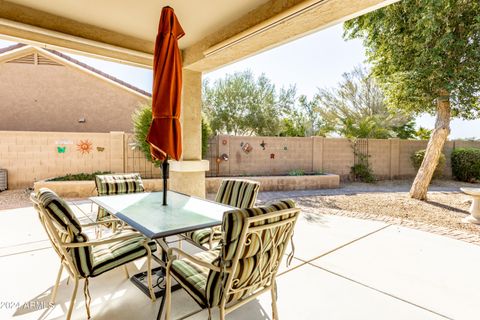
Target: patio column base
x=188, y=177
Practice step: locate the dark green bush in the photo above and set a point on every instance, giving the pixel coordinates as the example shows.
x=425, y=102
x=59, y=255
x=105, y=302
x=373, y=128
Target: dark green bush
x=296, y=172
x=206, y=133
x=466, y=164
x=79, y=176
x=417, y=159
x=362, y=172
x=142, y=118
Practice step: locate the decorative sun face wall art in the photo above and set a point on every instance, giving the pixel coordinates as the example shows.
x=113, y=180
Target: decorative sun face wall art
x=84, y=146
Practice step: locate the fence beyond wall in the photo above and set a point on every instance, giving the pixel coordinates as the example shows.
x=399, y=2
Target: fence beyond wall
x=389, y=158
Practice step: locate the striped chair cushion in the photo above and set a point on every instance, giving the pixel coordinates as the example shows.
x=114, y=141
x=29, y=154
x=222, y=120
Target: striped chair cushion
x=111, y=184
x=81, y=256
x=90, y=261
x=59, y=212
x=93, y=261
x=108, y=256
x=236, y=193
x=202, y=236
x=194, y=277
x=232, y=226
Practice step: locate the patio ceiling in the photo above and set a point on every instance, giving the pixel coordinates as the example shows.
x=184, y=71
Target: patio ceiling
x=218, y=32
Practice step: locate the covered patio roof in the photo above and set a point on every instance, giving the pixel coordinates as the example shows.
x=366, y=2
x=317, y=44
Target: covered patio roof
x=217, y=32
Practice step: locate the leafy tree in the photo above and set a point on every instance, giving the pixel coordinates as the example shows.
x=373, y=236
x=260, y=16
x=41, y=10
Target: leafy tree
x=357, y=109
x=239, y=104
x=303, y=120
x=406, y=131
x=293, y=127
x=423, y=133
x=426, y=56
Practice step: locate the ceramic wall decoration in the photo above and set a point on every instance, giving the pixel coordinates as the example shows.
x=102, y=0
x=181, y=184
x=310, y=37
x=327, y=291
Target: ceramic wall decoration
x=247, y=148
x=84, y=146
x=263, y=144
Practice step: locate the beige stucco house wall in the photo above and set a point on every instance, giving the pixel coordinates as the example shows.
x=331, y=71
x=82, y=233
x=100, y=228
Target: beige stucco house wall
x=44, y=90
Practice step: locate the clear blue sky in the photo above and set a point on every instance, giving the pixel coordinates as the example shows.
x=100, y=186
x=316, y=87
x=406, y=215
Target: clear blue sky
x=317, y=60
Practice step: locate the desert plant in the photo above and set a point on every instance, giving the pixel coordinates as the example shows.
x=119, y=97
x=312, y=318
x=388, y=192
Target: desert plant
x=296, y=172
x=361, y=170
x=356, y=108
x=142, y=118
x=466, y=164
x=417, y=157
x=79, y=176
x=206, y=133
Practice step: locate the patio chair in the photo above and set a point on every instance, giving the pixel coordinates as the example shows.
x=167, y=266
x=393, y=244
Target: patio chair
x=84, y=258
x=111, y=184
x=241, y=194
x=245, y=264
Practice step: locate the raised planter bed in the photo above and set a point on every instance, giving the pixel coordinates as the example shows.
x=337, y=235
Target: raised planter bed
x=283, y=183
x=84, y=189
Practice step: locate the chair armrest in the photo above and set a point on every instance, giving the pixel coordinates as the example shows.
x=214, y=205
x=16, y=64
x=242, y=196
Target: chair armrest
x=92, y=224
x=100, y=241
x=182, y=253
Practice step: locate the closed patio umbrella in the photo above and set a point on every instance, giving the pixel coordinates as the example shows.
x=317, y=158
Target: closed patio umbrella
x=164, y=135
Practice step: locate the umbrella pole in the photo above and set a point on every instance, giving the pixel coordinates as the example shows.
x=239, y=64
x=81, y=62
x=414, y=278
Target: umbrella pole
x=165, y=172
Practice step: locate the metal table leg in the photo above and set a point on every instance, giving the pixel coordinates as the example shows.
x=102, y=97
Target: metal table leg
x=139, y=279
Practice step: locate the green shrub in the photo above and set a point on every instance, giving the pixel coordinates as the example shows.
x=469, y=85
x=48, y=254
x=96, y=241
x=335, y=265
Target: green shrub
x=79, y=176
x=466, y=164
x=297, y=172
x=417, y=157
x=362, y=172
x=142, y=118
x=206, y=133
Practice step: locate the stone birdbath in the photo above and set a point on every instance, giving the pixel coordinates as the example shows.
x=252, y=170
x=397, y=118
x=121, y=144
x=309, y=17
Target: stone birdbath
x=474, y=216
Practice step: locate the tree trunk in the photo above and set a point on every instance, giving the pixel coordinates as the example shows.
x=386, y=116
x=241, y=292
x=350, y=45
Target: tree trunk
x=434, y=148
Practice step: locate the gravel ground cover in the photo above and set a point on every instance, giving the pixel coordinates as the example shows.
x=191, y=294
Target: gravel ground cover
x=11, y=199
x=445, y=207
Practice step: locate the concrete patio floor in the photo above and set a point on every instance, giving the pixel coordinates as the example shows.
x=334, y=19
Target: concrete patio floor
x=343, y=268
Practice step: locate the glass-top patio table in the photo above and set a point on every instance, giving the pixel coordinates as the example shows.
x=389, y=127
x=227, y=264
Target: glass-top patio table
x=145, y=213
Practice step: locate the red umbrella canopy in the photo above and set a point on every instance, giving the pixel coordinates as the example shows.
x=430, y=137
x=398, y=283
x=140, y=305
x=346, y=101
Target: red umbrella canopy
x=164, y=135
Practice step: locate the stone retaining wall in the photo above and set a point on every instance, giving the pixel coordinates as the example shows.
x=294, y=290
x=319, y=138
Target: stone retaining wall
x=283, y=183
x=85, y=189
